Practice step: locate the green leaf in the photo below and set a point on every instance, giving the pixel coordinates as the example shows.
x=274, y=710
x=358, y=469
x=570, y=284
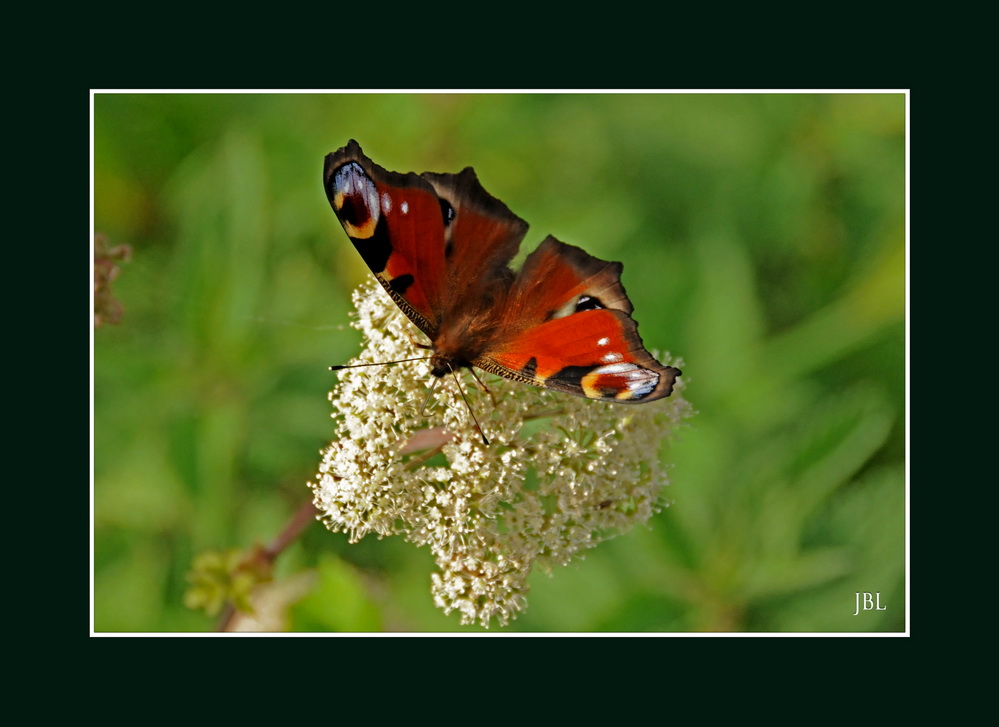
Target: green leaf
x=340, y=602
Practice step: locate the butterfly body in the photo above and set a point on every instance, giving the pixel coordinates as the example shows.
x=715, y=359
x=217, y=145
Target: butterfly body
x=440, y=245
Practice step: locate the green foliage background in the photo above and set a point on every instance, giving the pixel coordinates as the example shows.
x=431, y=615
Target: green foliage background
x=763, y=240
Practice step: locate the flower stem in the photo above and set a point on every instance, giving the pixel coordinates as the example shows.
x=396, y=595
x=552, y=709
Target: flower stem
x=266, y=556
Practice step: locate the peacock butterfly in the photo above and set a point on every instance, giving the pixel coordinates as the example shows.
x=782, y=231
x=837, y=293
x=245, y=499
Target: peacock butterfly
x=440, y=245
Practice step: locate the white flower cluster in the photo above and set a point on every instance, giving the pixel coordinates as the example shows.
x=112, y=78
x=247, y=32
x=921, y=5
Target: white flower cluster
x=559, y=475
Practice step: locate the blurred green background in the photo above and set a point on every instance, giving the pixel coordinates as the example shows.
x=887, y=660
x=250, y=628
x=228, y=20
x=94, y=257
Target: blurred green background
x=763, y=241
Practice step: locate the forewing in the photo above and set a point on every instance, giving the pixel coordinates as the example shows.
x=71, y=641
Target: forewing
x=481, y=234
x=396, y=223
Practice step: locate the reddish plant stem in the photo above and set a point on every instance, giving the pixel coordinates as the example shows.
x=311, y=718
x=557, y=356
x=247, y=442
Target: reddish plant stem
x=306, y=514
x=265, y=556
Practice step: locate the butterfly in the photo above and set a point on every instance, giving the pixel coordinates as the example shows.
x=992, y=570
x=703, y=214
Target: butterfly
x=441, y=245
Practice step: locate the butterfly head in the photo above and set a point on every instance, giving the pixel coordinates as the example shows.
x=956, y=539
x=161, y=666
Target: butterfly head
x=441, y=365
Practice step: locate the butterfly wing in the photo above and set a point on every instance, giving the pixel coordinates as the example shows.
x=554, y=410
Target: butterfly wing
x=481, y=235
x=440, y=245
x=571, y=330
x=395, y=222
x=436, y=242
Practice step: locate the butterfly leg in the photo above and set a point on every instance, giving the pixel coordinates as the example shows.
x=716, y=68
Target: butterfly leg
x=482, y=386
x=423, y=410
x=417, y=344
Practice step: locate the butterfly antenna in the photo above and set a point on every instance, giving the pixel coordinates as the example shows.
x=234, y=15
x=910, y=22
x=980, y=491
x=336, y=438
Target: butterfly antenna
x=379, y=363
x=461, y=391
